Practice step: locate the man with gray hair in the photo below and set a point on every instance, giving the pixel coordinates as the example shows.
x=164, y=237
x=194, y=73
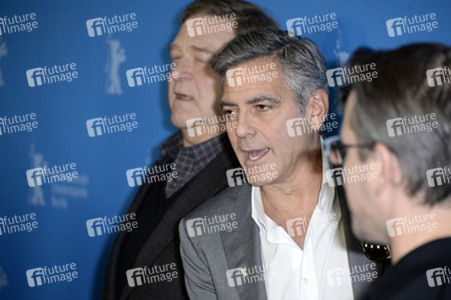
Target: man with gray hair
x=400, y=123
x=286, y=234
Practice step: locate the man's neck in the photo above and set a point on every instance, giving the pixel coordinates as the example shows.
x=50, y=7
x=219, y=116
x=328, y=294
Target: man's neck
x=439, y=220
x=298, y=195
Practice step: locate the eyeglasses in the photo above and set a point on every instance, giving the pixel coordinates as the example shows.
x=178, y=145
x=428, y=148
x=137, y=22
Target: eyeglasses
x=335, y=150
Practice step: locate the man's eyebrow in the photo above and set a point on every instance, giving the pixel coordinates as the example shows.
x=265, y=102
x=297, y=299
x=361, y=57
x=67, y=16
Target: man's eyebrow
x=223, y=103
x=207, y=49
x=254, y=100
x=202, y=49
x=251, y=101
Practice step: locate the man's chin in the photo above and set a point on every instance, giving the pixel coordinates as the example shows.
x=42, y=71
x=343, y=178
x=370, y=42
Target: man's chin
x=179, y=120
x=360, y=233
x=260, y=180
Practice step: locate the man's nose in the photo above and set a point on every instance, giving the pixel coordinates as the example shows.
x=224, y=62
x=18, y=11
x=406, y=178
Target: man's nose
x=184, y=70
x=245, y=127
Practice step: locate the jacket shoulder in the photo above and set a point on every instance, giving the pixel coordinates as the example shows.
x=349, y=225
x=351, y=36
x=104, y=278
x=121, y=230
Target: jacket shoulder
x=231, y=199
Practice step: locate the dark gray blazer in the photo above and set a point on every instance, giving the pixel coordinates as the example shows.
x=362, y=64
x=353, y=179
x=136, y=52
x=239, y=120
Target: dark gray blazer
x=207, y=257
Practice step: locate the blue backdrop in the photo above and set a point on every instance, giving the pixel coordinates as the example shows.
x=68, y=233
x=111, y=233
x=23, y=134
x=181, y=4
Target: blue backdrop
x=59, y=70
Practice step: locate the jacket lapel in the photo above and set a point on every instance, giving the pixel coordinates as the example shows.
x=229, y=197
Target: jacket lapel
x=139, y=198
x=112, y=272
x=242, y=247
x=205, y=185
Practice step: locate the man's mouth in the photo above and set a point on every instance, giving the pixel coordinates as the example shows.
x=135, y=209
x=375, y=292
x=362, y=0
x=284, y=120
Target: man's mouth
x=182, y=97
x=255, y=155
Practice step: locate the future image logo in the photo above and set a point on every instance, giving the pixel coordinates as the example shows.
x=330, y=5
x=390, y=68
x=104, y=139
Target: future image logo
x=109, y=225
x=113, y=124
x=211, y=125
x=211, y=224
x=411, y=124
x=110, y=25
x=157, y=173
x=49, y=275
x=18, y=223
x=411, y=224
x=248, y=275
x=438, y=76
x=351, y=74
x=300, y=126
x=438, y=176
x=254, y=175
x=18, y=23
x=47, y=175
x=18, y=123
x=148, y=75
x=154, y=274
x=409, y=25
x=310, y=25
x=50, y=75
x=337, y=277
x=253, y=74
x=351, y=174
x=211, y=24
x=299, y=226
x=438, y=276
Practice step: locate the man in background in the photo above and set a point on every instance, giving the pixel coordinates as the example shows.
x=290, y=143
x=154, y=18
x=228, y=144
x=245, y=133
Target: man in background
x=199, y=152
x=400, y=123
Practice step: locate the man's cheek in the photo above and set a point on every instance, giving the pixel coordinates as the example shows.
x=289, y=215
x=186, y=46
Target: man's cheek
x=233, y=140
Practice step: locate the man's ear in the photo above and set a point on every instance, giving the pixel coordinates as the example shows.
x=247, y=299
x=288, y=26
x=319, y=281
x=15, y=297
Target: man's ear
x=317, y=108
x=388, y=167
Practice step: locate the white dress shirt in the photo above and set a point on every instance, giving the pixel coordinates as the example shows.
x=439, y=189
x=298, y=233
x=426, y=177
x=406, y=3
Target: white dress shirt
x=305, y=273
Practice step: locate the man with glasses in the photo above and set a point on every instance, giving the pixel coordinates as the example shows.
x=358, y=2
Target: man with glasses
x=289, y=237
x=399, y=124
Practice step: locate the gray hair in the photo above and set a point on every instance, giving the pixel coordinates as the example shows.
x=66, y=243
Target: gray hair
x=400, y=90
x=302, y=63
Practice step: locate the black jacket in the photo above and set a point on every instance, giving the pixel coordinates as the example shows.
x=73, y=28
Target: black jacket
x=162, y=247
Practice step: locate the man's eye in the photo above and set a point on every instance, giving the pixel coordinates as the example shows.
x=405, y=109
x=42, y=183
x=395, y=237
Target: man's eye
x=174, y=58
x=229, y=112
x=262, y=107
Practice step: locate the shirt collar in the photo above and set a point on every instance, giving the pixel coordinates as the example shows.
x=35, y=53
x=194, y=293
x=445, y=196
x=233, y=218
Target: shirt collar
x=172, y=145
x=196, y=156
x=189, y=161
x=327, y=192
x=273, y=232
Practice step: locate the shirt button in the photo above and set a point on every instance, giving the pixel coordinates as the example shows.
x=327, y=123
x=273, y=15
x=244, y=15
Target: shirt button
x=304, y=280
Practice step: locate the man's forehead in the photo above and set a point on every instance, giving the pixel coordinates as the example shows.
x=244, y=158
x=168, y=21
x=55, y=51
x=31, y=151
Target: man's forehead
x=194, y=47
x=261, y=61
x=212, y=42
x=253, y=93
x=260, y=71
x=195, y=44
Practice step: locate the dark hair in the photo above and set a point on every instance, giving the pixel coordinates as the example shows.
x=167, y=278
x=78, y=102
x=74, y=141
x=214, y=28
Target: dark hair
x=248, y=15
x=403, y=89
x=301, y=62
